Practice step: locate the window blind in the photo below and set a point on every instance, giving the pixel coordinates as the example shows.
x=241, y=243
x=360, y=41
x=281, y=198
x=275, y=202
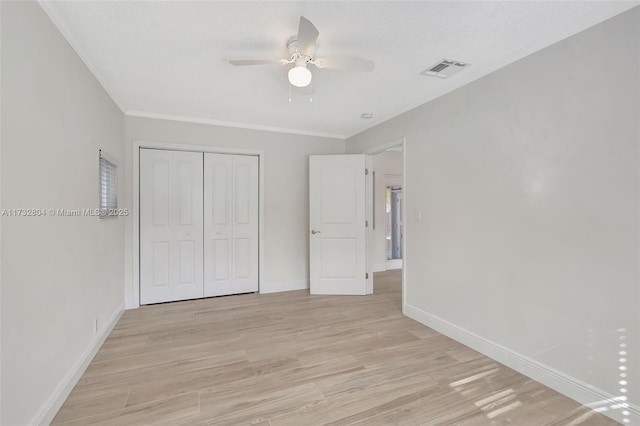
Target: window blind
x=108, y=186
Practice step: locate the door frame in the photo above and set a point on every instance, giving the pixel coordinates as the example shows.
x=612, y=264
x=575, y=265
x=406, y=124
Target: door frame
x=378, y=149
x=135, y=208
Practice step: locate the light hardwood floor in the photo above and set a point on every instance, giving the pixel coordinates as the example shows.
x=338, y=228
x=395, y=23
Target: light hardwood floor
x=295, y=359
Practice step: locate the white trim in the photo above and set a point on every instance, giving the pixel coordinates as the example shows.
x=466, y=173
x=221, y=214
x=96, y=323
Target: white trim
x=236, y=124
x=379, y=149
x=276, y=287
x=76, y=46
x=107, y=156
x=569, y=386
x=379, y=267
x=393, y=264
x=50, y=408
x=404, y=222
x=392, y=178
x=369, y=215
x=134, y=302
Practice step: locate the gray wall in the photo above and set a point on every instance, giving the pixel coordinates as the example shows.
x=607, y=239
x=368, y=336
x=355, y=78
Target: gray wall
x=59, y=274
x=286, y=192
x=528, y=183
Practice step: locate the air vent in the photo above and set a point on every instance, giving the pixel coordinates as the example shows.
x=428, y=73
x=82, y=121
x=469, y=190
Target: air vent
x=445, y=68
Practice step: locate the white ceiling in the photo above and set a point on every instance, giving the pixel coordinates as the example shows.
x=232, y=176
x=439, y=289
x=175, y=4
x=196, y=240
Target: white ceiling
x=169, y=59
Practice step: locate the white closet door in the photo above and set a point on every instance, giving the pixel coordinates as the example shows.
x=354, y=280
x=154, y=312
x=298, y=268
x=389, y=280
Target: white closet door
x=230, y=224
x=245, y=223
x=171, y=228
x=218, y=224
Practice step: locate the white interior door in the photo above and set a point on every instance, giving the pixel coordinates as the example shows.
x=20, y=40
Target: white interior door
x=171, y=229
x=337, y=222
x=230, y=224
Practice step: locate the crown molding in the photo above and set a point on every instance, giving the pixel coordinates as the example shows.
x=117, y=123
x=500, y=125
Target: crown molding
x=239, y=125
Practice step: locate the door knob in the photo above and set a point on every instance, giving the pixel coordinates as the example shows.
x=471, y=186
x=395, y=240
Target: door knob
x=314, y=232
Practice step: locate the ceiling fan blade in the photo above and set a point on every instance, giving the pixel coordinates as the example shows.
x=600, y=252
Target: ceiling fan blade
x=307, y=36
x=258, y=61
x=345, y=63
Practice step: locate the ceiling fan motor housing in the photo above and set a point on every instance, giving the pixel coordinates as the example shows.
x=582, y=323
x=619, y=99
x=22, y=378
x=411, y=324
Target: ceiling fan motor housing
x=296, y=54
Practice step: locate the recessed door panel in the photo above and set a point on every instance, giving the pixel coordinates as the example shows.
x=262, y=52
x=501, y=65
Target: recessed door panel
x=160, y=264
x=337, y=189
x=242, y=193
x=221, y=260
x=186, y=189
x=339, y=258
x=160, y=193
x=242, y=258
x=187, y=262
x=220, y=175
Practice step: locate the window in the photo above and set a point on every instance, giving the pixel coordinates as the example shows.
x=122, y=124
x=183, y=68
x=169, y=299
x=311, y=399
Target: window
x=108, y=186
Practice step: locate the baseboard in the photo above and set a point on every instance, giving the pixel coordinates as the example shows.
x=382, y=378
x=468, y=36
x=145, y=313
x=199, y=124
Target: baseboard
x=265, y=288
x=50, y=408
x=128, y=303
x=609, y=405
x=379, y=267
x=275, y=287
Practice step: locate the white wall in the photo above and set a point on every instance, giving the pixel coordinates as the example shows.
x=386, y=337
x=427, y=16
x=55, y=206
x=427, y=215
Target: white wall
x=388, y=168
x=286, y=198
x=58, y=273
x=528, y=183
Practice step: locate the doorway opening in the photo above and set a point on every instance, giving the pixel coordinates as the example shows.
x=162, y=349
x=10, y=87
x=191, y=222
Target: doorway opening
x=386, y=248
x=393, y=225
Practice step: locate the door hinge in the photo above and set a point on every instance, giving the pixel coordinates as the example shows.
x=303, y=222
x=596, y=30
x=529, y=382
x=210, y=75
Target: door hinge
x=366, y=223
x=366, y=275
x=366, y=171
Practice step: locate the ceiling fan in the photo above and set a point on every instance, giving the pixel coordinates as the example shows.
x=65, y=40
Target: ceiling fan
x=302, y=51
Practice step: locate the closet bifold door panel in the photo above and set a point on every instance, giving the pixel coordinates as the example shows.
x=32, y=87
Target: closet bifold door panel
x=230, y=224
x=171, y=225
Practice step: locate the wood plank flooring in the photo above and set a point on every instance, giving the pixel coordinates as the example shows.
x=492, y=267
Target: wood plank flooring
x=295, y=359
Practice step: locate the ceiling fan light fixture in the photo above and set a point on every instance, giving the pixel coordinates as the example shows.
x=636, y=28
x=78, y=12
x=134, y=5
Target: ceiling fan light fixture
x=302, y=50
x=300, y=76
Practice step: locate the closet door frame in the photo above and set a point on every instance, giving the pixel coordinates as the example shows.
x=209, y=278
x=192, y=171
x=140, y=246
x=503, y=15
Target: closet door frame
x=134, y=289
